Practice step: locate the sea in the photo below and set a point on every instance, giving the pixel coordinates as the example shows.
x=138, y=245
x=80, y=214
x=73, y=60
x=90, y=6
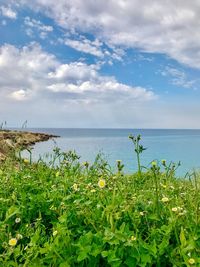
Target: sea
x=173, y=145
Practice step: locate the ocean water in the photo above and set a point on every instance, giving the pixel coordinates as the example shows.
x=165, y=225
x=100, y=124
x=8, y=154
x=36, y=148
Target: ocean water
x=171, y=145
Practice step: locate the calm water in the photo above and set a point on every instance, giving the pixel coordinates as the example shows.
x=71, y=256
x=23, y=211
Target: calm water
x=172, y=145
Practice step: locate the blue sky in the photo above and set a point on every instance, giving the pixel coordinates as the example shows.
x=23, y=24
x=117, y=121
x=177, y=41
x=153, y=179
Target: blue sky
x=109, y=64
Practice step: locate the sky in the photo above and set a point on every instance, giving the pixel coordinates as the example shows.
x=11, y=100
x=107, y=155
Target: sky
x=100, y=64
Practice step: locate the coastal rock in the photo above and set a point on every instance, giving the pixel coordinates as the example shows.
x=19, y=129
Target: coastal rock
x=11, y=141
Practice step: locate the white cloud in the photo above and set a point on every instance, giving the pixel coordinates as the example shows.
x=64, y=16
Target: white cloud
x=141, y=57
x=35, y=83
x=8, y=12
x=178, y=77
x=33, y=24
x=104, y=91
x=75, y=72
x=44, y=91
x=29, y=32
x=27, y=76
x=96, y=48
x=43, y=35
x=86, y=46
x=19, y=95
x=37, y=74
x=169, y=27
x=84, y=82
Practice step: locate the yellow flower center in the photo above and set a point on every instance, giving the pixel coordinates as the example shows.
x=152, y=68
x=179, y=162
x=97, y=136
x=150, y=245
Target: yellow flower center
x=133, y=238
x=165, y=199
x=102, y=183
x=175, y=209
x=12, y=242
x=75, y=187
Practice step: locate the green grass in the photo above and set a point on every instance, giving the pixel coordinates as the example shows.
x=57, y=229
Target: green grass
x=60, y=216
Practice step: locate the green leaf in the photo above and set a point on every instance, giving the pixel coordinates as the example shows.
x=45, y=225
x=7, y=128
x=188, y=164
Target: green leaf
x=145, y=258
x=11, y=212
x=153, y=217
x=182, y=238
x=131, y=262
x=96, y=250
x=122, y=227
x=64, y=264
x=82, y=256
x=163, y=245
x=154, y=248
x=104, y=254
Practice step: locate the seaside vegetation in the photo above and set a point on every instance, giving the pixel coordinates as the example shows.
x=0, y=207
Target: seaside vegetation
x=67, y=213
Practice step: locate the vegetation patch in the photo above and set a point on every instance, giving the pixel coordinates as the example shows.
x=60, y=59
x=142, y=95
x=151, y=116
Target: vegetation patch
x=81, y=214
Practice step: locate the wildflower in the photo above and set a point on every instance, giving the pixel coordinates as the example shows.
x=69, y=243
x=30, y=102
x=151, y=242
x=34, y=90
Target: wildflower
x=131, y=137
x=174, y=209
x=86, y=164
x=191, y=261
x=89, y=185
x=93, y=191
x=163, y=185
x=102, y=183
x=19, y=236
x=13, y=242
x=133, y=238
x=163, y=161
x=182, y=213
x=141, y=213
x=55, y=233
x=17, y=220
x=165, y=199
x=75, y=187
x=26, y=161
x=153, y=163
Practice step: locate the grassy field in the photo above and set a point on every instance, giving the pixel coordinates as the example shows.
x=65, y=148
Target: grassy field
x=84, y=215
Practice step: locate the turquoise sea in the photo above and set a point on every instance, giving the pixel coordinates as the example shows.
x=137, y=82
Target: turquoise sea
x=171, y=145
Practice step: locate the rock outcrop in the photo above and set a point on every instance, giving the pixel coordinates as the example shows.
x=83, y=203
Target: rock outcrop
x=11, y=141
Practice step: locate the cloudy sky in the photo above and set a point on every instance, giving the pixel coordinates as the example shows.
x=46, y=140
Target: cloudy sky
x=103, y=63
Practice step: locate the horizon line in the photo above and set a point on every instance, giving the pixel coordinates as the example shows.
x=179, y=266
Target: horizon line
x=97, y=128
